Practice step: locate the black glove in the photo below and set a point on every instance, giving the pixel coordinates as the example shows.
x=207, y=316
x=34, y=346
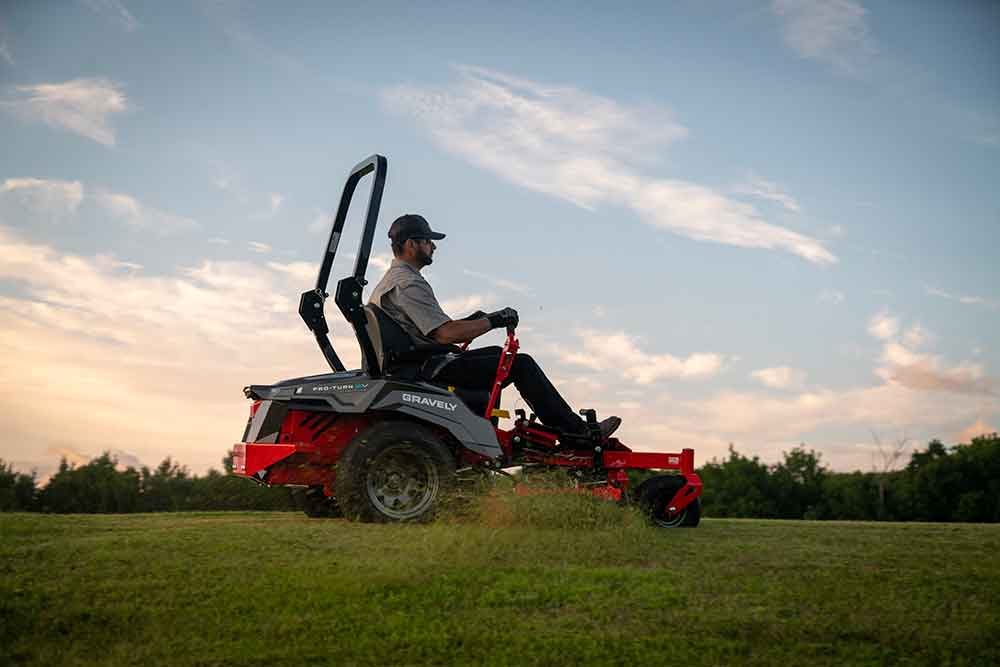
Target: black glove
x=503, y=318
x=478, y=315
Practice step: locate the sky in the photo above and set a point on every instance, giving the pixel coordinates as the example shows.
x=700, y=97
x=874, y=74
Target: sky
x=757, y=224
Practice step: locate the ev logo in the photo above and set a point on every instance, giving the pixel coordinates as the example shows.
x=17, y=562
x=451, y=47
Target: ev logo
x=430, y=402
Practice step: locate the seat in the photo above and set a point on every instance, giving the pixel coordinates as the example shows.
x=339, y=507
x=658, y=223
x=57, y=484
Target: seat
x=400, y=357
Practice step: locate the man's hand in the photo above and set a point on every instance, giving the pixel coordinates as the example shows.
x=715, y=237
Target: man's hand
x=503, y=318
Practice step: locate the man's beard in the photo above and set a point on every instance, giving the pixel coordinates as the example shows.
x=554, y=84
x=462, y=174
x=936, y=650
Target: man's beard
x=425, y=259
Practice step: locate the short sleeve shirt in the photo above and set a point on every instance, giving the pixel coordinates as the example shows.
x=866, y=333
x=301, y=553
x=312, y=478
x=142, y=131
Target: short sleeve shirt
x=406, y=297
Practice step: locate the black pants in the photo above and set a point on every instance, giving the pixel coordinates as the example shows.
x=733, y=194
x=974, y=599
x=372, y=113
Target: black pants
x=476, y=369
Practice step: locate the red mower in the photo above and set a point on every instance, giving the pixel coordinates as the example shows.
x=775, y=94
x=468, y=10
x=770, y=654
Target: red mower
x=386, y=442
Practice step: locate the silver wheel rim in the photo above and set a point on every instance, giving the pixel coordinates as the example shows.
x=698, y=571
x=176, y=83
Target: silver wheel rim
x=402, y=482
x=670, y=521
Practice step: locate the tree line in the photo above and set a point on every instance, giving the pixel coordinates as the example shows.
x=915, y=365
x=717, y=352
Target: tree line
x=100, y=487
x=959, y=483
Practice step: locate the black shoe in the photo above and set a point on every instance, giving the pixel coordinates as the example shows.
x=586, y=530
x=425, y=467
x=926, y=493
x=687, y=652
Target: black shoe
x=609, y=426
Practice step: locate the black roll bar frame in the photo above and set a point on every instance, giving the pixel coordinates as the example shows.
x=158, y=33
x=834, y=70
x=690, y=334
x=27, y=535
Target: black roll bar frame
x=349, y=289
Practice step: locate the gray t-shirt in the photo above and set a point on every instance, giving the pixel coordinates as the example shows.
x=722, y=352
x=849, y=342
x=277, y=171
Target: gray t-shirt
x=406, y=297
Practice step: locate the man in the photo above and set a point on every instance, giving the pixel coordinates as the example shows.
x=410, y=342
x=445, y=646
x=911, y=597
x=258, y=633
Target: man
x=408, y=299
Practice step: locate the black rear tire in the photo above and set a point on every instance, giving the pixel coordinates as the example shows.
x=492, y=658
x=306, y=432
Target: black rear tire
x=395, y=472
x=653, y=496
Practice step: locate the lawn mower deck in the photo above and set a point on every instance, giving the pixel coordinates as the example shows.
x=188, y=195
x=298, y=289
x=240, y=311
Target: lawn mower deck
x=383, y=443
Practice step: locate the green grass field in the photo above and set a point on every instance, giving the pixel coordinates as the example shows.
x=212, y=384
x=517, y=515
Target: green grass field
x=520, y=585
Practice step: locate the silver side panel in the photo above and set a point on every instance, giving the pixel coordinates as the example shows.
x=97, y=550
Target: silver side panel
x=424, y=402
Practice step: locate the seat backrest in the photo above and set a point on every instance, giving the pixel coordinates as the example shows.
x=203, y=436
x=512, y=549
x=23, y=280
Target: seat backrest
x=393, y=346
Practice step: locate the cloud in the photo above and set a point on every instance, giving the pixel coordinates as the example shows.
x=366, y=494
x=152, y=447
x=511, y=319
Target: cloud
x=302, y=272
x=45, y=196
x=924, y=372
x=833, y=32
x=500, y=282
x=587, y=150
x=257, y=246
x=381, y=261
x=903, y=366
x=135, y=213
x=964, y=299
x=116, y=11
x=618, y=352
x=916, y=336
x=461, y=306
x=780, y=377
x=974, y=430
x=88, y=337
x=81, y=106
x=5, y=53
x=762, y=189
x=836, y=297
x=882, y=326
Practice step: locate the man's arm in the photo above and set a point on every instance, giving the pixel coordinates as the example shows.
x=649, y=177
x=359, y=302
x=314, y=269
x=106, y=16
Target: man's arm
x=460, y=331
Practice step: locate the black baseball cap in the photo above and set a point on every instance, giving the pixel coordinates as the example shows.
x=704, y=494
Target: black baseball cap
x=412, y=226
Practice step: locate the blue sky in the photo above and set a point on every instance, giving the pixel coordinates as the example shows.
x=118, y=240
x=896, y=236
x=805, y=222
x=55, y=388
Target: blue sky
x=757, y=223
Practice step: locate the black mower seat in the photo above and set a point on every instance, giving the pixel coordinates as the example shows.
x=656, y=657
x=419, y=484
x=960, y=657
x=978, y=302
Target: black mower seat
x=398, y=356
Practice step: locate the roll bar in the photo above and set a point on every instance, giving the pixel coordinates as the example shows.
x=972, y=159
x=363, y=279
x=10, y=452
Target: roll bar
x=349, y=289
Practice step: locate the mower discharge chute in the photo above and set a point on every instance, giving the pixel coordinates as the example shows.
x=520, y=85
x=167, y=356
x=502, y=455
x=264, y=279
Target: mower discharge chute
x=384, y=442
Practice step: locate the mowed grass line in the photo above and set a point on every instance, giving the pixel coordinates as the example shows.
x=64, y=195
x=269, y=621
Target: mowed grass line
x=277, y=588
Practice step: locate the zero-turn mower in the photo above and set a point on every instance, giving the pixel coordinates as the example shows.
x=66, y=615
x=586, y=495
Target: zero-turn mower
x=386, y=442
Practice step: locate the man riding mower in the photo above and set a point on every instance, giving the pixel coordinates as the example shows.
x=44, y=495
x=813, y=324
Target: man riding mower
x=384, y=442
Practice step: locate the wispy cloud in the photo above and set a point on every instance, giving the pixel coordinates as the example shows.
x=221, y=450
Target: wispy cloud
x=780, y=377
x=620, y=353
x=5, y=53
x=116, y=11
x=756, y=186
x=500, y=282
x=135, y=213
x=834, y=32
x=49, y=197
x=588, y=150
x=257, y=246
x=82, y=106
x=968, y=300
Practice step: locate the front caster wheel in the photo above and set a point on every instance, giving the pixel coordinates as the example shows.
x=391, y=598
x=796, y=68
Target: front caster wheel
x=656, y=492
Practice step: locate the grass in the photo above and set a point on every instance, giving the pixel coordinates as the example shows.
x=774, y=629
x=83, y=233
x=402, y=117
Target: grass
x=523, y=581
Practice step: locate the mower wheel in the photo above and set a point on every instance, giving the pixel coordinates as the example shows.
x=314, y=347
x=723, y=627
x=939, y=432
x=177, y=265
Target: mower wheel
x=396, y=471
x=317, y=505
x=653, y=496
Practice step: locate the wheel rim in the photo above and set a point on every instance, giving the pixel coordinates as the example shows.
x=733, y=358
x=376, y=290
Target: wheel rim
x=402, y=482
x=669, y=520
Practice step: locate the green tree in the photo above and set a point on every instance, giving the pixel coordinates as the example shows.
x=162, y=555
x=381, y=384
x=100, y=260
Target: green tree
x=17, y=490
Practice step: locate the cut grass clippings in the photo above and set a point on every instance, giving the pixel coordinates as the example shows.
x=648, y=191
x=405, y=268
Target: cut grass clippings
x=545, y=580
